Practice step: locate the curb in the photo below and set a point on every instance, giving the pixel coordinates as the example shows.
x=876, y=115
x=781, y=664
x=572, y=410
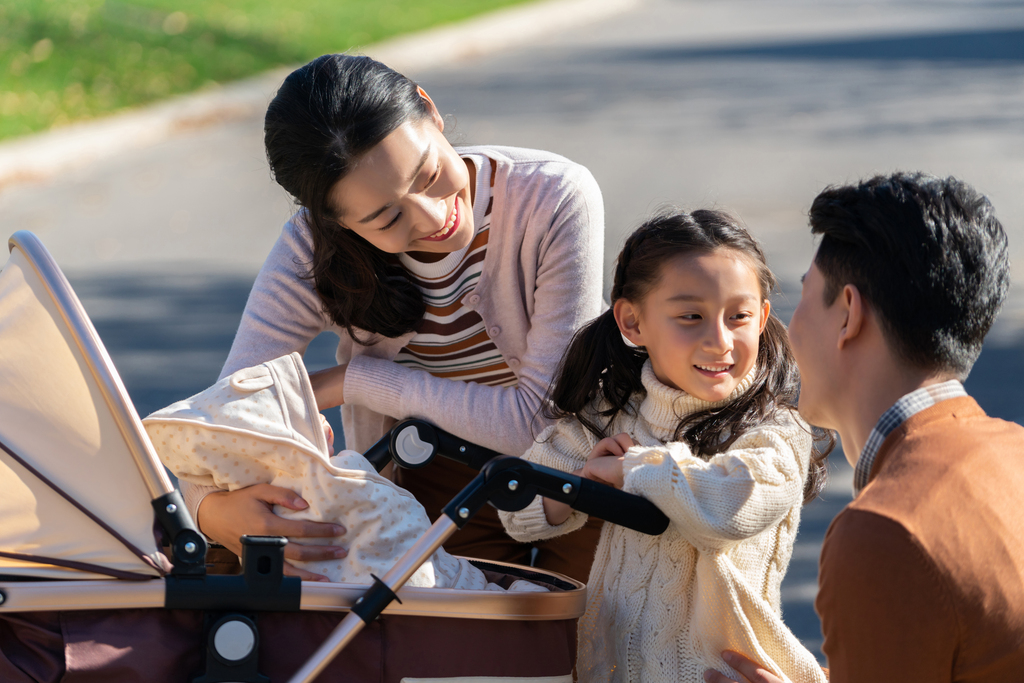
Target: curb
x=42, y=155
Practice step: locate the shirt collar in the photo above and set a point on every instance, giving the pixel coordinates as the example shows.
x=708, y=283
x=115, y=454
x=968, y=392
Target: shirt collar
x=900, y=412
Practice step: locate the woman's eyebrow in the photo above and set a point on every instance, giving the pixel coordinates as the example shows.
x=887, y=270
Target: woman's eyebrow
x=419, y=166
x=412, y=177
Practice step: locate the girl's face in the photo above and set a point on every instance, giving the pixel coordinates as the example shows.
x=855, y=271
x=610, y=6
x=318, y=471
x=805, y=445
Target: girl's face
x=700, y=323
x=409, y=193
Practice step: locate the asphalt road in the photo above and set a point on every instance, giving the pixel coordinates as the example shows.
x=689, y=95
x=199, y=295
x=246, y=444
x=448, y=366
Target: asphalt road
x=740, y=104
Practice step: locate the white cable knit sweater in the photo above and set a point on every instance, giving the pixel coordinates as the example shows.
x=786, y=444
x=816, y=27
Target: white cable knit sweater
x=664, y=608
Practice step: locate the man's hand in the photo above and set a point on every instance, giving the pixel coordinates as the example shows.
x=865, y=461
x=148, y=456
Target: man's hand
x=750, y=671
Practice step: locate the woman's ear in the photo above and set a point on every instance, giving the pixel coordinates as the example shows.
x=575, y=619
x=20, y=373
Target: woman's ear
x=766, y=309
x=435, y=115
x=627, y=317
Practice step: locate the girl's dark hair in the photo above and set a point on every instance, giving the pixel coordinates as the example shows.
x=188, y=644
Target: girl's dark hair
x=599, y=369
x=325, y=116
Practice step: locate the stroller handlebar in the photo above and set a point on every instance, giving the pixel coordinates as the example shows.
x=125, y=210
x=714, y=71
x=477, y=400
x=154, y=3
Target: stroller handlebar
x=510, y=483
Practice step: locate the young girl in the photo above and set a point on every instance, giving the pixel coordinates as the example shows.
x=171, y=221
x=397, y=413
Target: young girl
x=684, y=393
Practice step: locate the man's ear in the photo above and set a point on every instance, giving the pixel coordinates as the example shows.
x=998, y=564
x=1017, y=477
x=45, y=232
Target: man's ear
x=435, y=115
x=853, y=305
x=627, y=317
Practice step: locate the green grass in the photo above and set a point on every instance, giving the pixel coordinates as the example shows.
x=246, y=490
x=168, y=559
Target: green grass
x=68, y=60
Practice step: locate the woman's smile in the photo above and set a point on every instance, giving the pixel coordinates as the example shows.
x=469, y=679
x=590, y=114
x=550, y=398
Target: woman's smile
x=450, y=226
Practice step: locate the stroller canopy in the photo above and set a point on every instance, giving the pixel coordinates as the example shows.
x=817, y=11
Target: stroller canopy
x=77, y=471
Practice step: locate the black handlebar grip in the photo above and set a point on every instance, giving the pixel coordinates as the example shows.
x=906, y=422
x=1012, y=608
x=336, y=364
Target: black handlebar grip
x=619, y=507
x=459, y=450
x=379, y=454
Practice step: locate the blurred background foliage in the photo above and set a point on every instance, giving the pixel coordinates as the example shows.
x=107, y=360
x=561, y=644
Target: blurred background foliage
x=68, y=60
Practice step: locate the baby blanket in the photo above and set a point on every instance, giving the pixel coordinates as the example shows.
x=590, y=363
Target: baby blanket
x=261, y=425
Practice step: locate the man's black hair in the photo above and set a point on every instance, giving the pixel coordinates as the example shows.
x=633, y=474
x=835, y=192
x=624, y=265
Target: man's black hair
x=927, y=254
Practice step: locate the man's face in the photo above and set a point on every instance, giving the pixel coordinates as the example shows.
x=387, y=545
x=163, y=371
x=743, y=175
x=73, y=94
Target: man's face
x=813, y=331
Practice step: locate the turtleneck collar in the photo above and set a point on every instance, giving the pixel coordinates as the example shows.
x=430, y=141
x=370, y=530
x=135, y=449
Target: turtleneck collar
x=664, y=406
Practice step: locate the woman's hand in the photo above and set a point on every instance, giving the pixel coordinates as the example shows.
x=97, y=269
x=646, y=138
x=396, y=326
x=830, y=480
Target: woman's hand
x=329, y=386
x=225, y=516
x=750, y=671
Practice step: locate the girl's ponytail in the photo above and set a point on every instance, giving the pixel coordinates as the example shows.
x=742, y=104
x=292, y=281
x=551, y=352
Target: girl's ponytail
x=598, y=364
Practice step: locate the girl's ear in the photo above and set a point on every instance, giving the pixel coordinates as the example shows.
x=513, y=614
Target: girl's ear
x=627, y=317
x=435, y=115
x=766, y=309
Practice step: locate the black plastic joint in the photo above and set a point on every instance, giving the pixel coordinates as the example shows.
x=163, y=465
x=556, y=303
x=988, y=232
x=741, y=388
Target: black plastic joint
x=188, y=546
x=374, y=601
x=261, y=587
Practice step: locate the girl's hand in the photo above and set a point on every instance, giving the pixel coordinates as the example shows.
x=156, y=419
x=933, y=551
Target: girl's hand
x=225, y=516
x=556, y=512
x=612, y=445
x=329, y=386
x=604, y=464
x=605, y=470
x=750, y=671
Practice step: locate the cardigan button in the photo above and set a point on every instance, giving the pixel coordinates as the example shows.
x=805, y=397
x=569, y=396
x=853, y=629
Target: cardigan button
x=513, y=362
x=474, y=299
x=494, y=331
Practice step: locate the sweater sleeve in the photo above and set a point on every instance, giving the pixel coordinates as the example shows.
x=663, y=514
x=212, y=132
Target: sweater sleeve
x=734, y=495
x=567, y=294
x=563, y=446
x=886, y=613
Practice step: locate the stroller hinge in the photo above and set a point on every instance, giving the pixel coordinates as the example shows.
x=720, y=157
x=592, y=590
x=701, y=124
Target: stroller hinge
x=261, y=586
x=188, y=546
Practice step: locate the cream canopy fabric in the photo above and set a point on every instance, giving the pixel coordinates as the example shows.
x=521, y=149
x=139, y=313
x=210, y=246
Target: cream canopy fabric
x=55, y=416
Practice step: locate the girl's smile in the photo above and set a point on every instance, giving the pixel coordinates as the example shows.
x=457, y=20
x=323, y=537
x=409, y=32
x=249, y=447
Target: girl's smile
x=701, y=323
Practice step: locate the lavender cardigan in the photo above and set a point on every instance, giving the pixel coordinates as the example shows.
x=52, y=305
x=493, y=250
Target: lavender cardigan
x=541, y=281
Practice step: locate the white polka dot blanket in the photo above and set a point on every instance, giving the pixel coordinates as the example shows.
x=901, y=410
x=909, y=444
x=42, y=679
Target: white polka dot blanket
x=261, y=425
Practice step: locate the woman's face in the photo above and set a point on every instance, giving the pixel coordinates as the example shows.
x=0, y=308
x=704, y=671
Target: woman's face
x=410, y=193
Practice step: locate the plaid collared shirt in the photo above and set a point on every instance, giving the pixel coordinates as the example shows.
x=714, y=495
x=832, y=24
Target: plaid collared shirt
x=900, y=412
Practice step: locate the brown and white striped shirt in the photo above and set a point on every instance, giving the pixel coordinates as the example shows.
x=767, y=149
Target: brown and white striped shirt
x=452, y=340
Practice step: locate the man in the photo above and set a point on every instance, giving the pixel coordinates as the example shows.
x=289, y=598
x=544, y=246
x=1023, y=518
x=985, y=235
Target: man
x=922, y=575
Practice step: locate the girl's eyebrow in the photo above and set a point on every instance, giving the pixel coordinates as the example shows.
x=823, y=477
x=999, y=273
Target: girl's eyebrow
x=696, y=298
x=412, y=177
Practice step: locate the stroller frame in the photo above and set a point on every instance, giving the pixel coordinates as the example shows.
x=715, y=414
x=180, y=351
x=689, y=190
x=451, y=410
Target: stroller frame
x=507, y=483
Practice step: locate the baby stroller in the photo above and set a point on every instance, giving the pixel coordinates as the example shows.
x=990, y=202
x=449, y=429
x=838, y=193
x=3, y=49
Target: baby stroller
x=103, y=572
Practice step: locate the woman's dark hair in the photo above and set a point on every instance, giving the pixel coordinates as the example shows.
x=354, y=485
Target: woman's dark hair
x=325, y=116
x=600, y=369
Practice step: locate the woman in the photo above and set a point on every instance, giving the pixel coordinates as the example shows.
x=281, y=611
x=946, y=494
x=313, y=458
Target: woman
x=453, y=278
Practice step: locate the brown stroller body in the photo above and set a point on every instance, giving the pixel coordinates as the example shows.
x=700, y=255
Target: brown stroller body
x=103, y=573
